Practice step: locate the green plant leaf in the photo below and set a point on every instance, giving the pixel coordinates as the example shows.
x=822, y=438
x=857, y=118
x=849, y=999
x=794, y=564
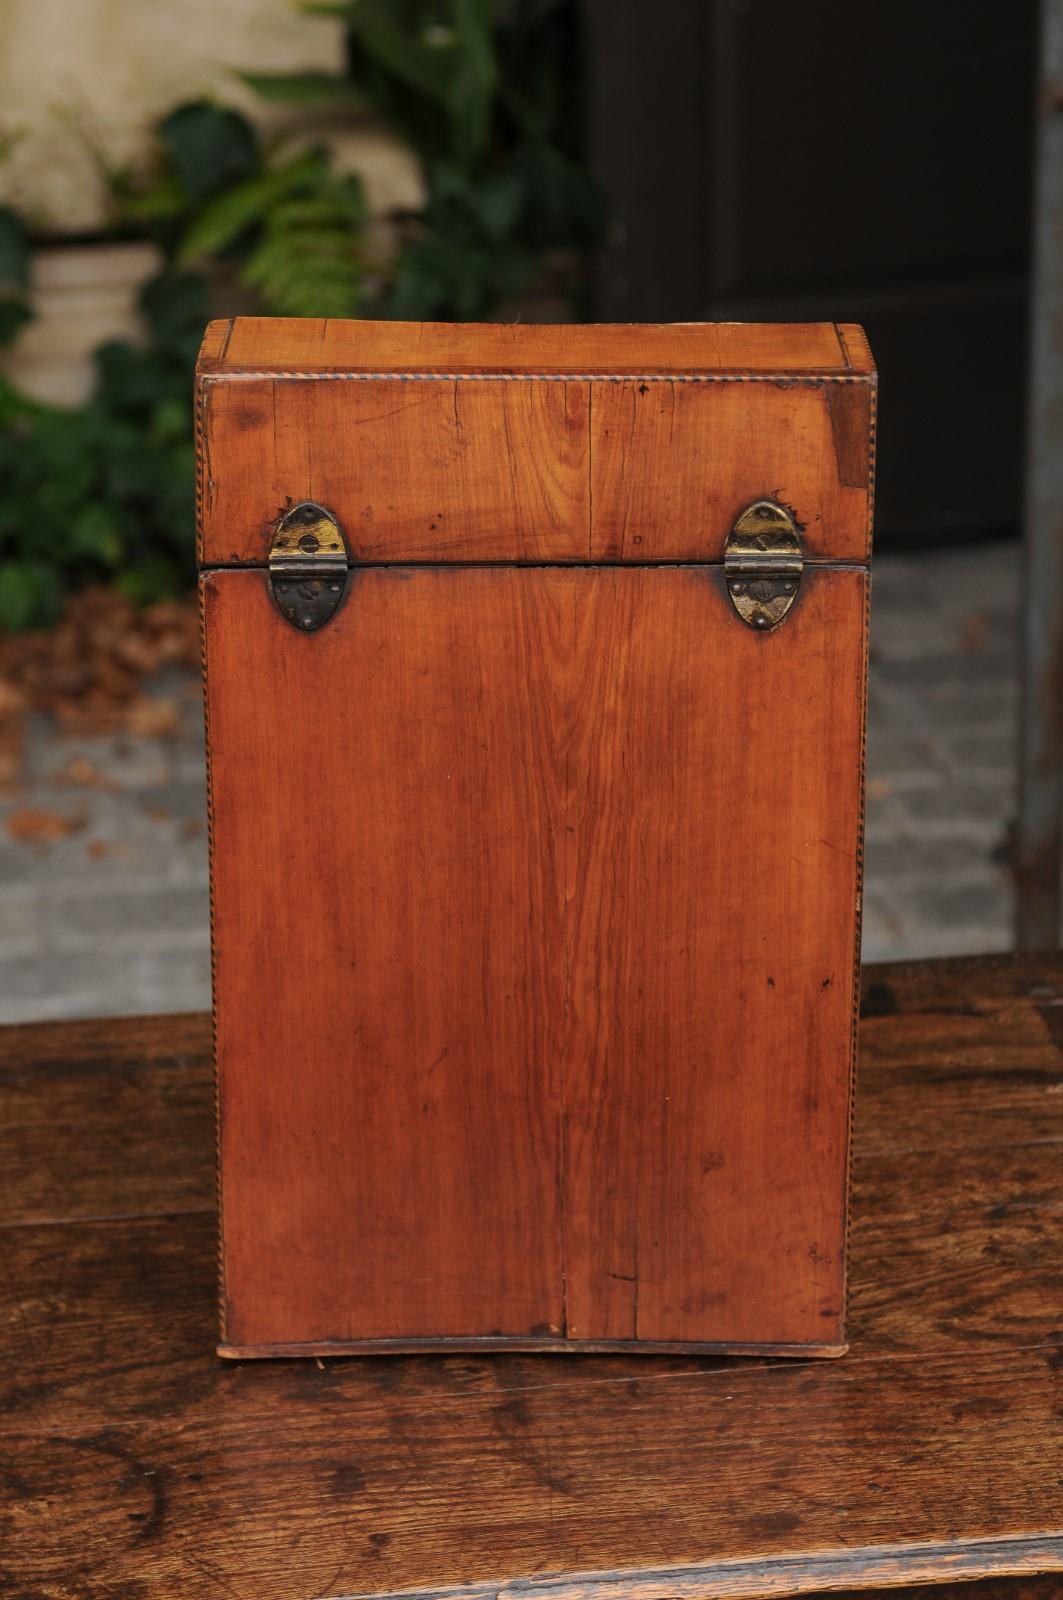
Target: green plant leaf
x=156, y=577
x=166, y=198
x=175, y=306
x=171, y=421
x=210, y=147
x=14, y=250
x=422, y=58
x=498, y=203
x=230, y=214
x=309, y=271
x=474, y=76
x=16, y=409
x=320, y=90
x=130, y=381
x=485, y=92
x=28, y=595
x=14, y=315
x=95, y=535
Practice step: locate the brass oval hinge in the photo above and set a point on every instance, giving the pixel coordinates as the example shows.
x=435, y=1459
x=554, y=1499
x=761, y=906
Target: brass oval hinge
x=763, y=563
x=308, y=566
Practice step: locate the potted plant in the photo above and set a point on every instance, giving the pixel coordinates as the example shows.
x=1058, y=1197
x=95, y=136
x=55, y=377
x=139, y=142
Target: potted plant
x=487, y=98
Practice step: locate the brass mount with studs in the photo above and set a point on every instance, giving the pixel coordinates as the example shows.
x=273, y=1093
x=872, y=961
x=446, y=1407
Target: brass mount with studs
x=762, y=563
x=308, y=566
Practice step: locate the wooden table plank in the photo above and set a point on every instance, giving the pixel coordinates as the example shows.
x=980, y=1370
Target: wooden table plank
x=304, y=1487
x=976, y=1260
x=106, y=1119
x=136, y=1464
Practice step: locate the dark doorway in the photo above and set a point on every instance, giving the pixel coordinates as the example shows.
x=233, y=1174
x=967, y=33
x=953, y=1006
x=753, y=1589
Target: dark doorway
x=829, y=160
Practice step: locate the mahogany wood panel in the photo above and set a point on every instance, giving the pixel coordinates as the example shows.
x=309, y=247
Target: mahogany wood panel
x=534, y=933
x=337, y=345
x=445, y=462
x=135, y=1463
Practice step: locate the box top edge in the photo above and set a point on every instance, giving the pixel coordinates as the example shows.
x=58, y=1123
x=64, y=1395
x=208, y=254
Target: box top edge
x=279, y=345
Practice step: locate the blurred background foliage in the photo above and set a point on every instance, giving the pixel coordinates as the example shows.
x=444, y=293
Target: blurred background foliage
x=488, y=98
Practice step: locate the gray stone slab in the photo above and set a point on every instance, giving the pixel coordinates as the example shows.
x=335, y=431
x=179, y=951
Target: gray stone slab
x=911, y=860
x=128, y=916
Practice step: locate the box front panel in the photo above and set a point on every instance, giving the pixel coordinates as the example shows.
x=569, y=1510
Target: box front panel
x=534, y=915
x=712, y=899
x=389, y=973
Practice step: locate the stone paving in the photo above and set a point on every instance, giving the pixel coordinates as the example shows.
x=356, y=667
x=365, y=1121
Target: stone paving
x=113, y=916
x=942, y=742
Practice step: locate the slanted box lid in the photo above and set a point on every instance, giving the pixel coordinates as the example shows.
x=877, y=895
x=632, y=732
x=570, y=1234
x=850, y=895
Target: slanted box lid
x=446, y=442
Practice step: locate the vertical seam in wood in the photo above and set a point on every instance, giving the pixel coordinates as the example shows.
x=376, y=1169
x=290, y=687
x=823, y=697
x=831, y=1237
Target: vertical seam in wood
x=618, y=549
x=635, y=1285
x=225, y=342
x=273, y=428
x=309, y=431
x=590, y=471
x=220, y=1237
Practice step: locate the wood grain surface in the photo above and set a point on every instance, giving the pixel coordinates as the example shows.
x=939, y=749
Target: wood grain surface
x=136, y=1466
x=535, y=874
x=702, y=449
x=456, y=470
x=249, y=343
x=534, y=932
x=491, y=443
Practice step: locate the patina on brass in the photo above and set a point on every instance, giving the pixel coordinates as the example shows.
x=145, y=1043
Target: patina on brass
x=308, y=566
x=763, y=563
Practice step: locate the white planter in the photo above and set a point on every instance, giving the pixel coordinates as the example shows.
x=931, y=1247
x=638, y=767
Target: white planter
x=82, y=295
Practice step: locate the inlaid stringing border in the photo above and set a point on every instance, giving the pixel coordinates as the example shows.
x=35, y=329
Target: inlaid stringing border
x=781, y=380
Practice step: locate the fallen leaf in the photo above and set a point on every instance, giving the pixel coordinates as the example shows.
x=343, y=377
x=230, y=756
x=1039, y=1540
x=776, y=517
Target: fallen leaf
x=84, y=774
x=878, y=788
x=157, y=813
x=153, y=719
x=88, y=672
x=35, y=825
x=97, y=849
x=12, y=698
x=11, y=751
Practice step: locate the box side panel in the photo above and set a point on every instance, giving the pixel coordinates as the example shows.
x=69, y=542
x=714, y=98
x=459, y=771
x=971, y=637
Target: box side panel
x=673, y=464
x=389, y=972
x=433, y=470
x=365, y=346
x=713, y=920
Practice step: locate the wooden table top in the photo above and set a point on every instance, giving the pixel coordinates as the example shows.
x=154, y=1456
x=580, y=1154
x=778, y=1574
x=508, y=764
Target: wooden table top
x=136, y=1465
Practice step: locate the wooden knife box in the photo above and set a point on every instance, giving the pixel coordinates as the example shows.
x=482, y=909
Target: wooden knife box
x=535, y=680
